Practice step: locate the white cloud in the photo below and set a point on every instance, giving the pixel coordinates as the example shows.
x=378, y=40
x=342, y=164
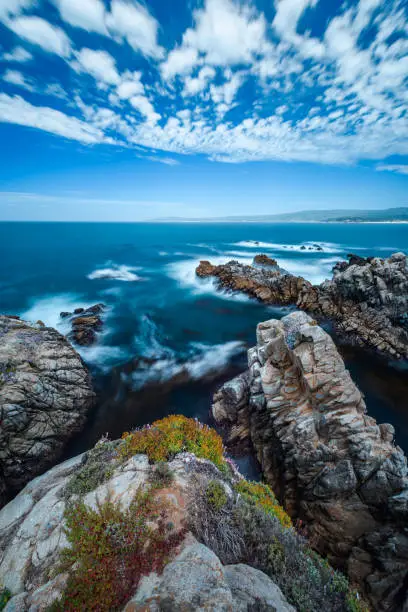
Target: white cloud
x=179, y=61
x=226, y=93
x=14, y=109
x=288, y=13
x=131, y=21
x=226, y=33
x=86, y=14
x=17, y=78
x=39, y=32
x=168, y=161
x=130, y=87
x=99, y=64
x=193, y=86
x=399, y=168
x=18, y=54
x=10, y=8
x=145, y=107
x=325, y=100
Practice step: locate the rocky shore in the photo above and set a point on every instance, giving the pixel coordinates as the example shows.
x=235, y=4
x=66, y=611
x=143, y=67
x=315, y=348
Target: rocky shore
x=144, y=524
x=367, y=299
x=45, y=394
x=329, y=463
x=85, y=324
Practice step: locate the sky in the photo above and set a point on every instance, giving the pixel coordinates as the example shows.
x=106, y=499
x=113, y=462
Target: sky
x=118, y=110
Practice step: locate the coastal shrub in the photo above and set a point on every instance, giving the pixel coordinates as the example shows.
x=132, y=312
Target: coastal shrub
x=162, y=440
x=306, y=579
x=5, y=597
x=161, y=475
x=98, y=468
x=260, y=495
x=216, y=495
x=111, y=549
x=212, y=523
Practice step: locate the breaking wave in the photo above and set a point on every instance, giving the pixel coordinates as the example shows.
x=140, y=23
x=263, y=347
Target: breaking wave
x=120, y=273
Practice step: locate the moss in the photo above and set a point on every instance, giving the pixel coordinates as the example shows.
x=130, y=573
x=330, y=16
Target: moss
x=110, y=549
x=262, y=496
x=164, y=439
x=216, y=495
x=98, y=468
x=5, y=596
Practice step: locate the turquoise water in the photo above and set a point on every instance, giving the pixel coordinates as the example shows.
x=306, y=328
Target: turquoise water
x=159, y=311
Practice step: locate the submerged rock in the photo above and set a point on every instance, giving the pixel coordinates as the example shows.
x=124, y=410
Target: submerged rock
x=327, y=460
x=367, y=299
x=85, y=323
x=45, y=393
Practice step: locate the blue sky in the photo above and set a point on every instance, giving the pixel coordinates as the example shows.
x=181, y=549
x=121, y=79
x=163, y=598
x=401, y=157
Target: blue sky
x=118, y=110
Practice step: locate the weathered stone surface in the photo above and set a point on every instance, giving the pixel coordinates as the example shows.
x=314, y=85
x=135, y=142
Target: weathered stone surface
x=367, y=299
x=327, y=460
x=85, y=324
x=45, y=393
x=195, y=579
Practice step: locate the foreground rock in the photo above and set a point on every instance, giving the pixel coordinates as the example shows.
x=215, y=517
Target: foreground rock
x=85, y=323
x=32, y=536
x=221, y=543
x=326, y=459
x=367, y=299
x=45, y=393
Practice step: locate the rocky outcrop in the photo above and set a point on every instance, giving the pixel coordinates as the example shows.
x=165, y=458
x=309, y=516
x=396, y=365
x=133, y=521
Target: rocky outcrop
x=85, y=324
x=367, y=299
x=328, y=461
x=32, y=537
x=264, y=260
x=45, y=393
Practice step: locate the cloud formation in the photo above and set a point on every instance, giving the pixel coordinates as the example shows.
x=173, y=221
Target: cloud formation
x=240, y=81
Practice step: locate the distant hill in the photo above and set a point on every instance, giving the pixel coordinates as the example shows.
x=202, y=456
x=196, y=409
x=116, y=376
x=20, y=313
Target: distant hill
x=310, y=216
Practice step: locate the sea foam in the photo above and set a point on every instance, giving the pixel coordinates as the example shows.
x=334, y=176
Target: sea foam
x=116, y=272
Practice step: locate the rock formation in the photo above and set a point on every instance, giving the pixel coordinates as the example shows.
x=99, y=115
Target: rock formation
x=45, y=393
x=328, y=461
x=225, y=544
x=32, y=536
x=85, y=324
x=367, y=299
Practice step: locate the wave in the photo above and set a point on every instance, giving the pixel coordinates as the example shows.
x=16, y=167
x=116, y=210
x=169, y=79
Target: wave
x=328, y=247
x=103, y=357
x=47, y=309
x=204, y=361
x=116, y=272
x=316, y=272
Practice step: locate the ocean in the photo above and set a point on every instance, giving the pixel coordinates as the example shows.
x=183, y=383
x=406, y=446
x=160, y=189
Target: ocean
x=170, y=339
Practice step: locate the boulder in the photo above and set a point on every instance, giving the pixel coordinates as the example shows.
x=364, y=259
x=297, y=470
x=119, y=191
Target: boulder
x=85, y=324
x=45, y=394
x=328, y=461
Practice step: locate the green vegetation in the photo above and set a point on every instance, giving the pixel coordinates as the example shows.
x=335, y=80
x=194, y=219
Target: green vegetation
x=98, y=468
x=164, y=439
x=216, y=495
x=161, y=475
x=262, y=496
x=5, y=597
x=111, y=549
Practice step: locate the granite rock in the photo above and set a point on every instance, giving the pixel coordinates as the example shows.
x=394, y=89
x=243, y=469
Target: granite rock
x=328, y=461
